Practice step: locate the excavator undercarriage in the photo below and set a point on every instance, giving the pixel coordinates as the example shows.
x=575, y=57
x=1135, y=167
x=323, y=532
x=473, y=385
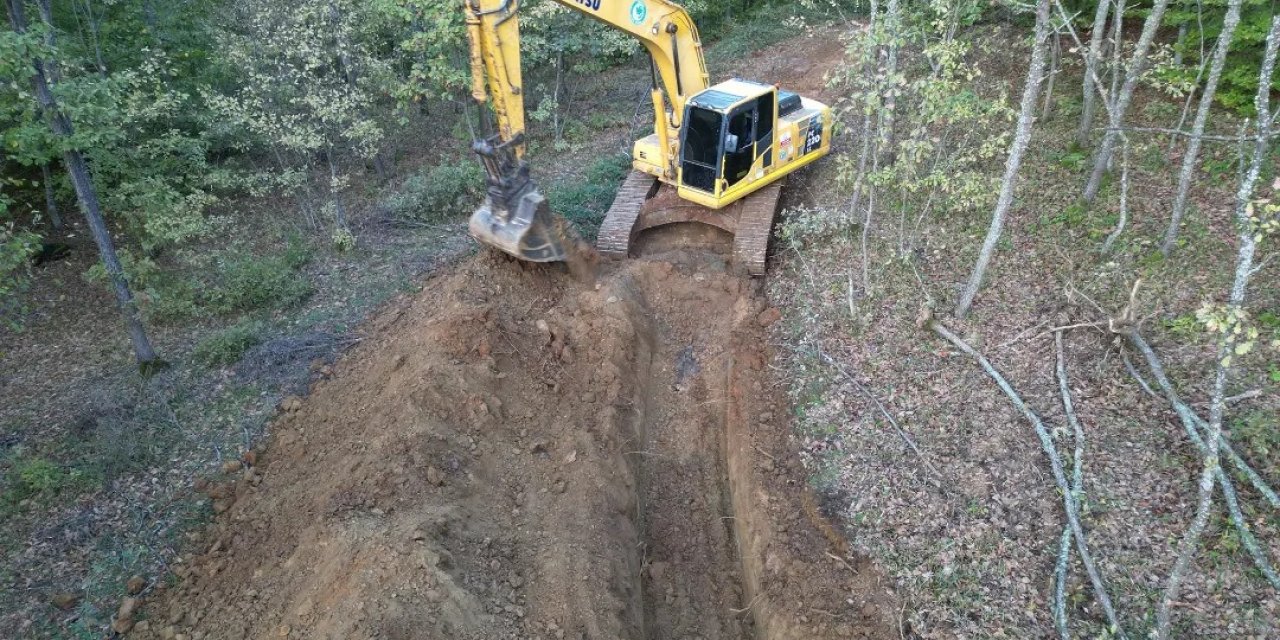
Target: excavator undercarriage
x=644, y=203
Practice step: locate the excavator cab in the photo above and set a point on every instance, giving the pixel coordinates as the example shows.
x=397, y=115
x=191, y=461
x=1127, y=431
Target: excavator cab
x=736, y=135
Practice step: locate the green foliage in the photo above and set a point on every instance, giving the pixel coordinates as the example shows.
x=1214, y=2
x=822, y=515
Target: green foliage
x=584, y=202
x=1260, y=433
x=1185, y=327
x=1240, y=77
x=226, y=346
x=1074, y=215
x=1073, y=159
x=246, y=282
x=950, y=126
x=438, y=193
x=16, y=248
x=232, y=281
x=32, y=476
x=427, y=36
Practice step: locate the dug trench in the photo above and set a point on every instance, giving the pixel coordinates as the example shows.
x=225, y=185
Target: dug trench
x=513, y=454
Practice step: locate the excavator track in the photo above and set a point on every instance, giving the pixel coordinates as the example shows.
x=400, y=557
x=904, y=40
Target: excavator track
x=643, y=203
x=619, y=226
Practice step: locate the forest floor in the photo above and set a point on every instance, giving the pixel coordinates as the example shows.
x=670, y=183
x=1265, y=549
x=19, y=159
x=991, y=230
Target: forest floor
x=500, y=451
x=972, y=547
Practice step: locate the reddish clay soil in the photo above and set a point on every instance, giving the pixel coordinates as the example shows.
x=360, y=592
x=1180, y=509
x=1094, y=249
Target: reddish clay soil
x=514, y=454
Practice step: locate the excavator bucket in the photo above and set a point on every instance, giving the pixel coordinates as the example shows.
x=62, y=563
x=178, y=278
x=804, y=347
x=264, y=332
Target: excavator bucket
x=529, y=230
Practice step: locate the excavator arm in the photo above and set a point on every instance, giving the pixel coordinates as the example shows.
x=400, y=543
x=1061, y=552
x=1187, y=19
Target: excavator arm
x=515, y=217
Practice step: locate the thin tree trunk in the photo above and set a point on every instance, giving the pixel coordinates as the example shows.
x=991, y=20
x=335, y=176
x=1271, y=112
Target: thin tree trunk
x=1124, y=196
x=1022, y=138
x=1177, y=48
x=339, y=209
x=888, y=102
x=1099, y=32
x=61, y=126
x=1192, y=154
x=1116, y=113
x=1186, y=104
x=1054, y=57
x=1239, y=288
x=51, y=202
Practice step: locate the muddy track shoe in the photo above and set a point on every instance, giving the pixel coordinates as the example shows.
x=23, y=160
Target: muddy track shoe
x=619, y=228
x=754, y=227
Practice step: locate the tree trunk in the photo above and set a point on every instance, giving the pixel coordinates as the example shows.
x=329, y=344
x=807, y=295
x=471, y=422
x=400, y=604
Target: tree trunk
x=1117, y=111
x=51, y=202
x=1022, y=138
x=1239, y=288
x=1054, y=57
x=1085, y=133
x=893, y=27
x=1192, y=154
x=61, y=126
x=339, y=209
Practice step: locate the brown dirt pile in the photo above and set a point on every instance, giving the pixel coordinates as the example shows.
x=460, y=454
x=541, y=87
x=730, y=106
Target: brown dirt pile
x=515, y=455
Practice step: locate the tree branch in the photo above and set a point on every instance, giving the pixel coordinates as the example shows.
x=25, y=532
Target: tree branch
x=1059, y=476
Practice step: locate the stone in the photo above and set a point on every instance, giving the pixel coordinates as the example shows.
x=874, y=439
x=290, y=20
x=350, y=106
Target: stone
x=769, y=316
x=128, y=607
x=65, y=600
x=135, y=585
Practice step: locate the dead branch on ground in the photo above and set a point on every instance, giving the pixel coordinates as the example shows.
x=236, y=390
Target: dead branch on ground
x=1059, y=476
x=1194, y=424
x=1077, y=489
x=906, y=438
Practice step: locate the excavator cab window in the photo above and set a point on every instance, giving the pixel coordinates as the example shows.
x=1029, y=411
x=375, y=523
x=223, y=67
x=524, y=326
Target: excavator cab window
x=764, y=128
x=739, y=156
x=700, y=149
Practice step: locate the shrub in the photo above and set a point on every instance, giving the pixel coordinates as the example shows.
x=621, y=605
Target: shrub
x=584, y=201
x=247, y=282
x=33, y=476
x=226, y=346
x=440, y=193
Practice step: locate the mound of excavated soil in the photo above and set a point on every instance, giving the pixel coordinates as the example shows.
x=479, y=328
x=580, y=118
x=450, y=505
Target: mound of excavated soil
x=516, y=455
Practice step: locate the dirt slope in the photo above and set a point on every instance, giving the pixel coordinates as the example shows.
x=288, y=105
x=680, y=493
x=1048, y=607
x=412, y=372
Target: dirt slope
x=516, y=455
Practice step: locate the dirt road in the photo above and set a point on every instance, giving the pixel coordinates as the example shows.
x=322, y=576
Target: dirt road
x=513, y=454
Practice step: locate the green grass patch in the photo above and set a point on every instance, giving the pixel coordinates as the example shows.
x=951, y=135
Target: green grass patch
x=226, y=346
x=1073, y=159
x=1260, y=433
x=1186, y=328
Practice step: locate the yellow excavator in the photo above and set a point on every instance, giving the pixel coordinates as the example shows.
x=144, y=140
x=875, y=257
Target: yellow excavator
x=724, y=149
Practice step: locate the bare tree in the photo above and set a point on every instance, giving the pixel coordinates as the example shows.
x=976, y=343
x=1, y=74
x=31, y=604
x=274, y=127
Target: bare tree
x=1247, y=238
x=1021, y=140
x=1092, y=55
x=61, y=126
x=1120, y=99
x=1229, y=23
